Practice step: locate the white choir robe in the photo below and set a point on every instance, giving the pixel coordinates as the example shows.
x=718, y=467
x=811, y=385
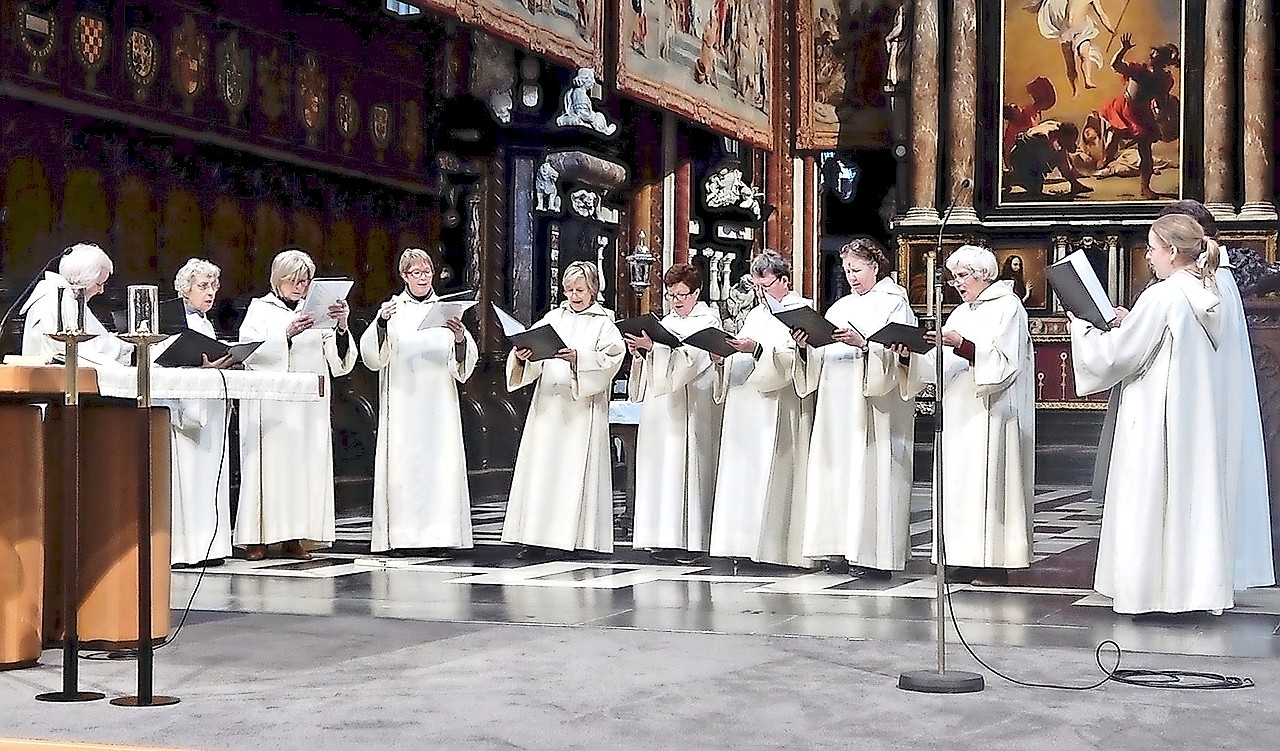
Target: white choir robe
x=40, y=313
x=862, y=451
x=286, y=448
x=678, y=439
x=200, y=488
x=1166, y=534
x=562, y=486
x=420, y=495
x=760, y=494
x=988, y=437
x=1242, y=451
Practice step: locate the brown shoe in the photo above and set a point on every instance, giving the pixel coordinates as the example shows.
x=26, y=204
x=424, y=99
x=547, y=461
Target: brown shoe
x=255, y=552
x=293, y=549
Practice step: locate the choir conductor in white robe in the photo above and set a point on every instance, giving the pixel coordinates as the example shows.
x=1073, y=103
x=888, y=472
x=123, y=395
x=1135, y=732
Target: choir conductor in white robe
x=862, y=451
x=679, y=434
x=1166, y=542
x=286, y=448
x=562, y=487
x=988, y=436
x=420, y=495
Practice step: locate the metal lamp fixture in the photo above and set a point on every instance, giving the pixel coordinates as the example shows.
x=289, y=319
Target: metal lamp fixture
x=640, y=262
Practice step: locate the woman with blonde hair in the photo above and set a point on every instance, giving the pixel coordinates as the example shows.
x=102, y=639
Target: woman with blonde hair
x=420, y=496
x=1166, y=536
x=562, y=488
x=286, y=448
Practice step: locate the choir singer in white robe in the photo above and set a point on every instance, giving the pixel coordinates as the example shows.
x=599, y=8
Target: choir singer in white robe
x=420, y=496
x=200, y=493
x=679, y=433
x=862, y=451
x=81, y=265
x=1241, y=451
x=988, y=437
x=760, y=493
x=1166, y=533
x=562, y=488
x=286, y=448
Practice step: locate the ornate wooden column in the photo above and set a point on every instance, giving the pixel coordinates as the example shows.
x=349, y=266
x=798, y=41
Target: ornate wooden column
x=1264, y=334
x=962, y=127
x=1259, y=90
x=1219, y=90
x=923, y=114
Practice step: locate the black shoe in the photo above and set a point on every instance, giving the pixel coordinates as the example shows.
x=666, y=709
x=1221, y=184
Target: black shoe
x=835, y=566
x=690, y=557
x=991, y=577
x=665, y=555
x=396, y=553
x=960, y=575
x=531, y=553
x=870, y=574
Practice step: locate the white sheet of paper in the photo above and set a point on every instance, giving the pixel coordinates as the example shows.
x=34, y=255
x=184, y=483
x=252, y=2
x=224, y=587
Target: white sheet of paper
x=323, y=294
x=442, y=310
x=509, y=324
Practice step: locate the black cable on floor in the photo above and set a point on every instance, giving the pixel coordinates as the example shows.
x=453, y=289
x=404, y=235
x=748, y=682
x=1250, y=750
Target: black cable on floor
x=132, y=652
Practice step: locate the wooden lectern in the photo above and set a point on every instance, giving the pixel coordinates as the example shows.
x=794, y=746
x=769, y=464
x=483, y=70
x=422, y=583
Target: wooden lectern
x=112, y=485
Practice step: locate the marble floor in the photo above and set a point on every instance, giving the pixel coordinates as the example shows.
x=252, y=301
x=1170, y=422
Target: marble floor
x=1049, y=605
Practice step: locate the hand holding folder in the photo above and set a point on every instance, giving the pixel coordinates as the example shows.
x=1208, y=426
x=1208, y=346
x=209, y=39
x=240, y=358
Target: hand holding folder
x=542, y=340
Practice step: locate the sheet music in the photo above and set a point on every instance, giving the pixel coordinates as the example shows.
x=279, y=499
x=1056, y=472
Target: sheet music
x=510, y=326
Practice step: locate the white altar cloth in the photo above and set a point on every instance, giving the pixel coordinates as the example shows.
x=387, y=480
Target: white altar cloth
x=206, y=383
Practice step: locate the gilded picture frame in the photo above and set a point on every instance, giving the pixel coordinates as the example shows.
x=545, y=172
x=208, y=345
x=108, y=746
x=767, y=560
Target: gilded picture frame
x=567, y=31
x=718, y=75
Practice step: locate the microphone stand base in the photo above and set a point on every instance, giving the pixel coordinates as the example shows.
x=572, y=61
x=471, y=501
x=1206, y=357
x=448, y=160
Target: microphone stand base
x=64, y=696
x=933, y=682
x=154, y=701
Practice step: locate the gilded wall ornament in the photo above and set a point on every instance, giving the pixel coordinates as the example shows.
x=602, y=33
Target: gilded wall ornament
x=273, y=85
x=380, y=129
x=37, y=35
x=235, y=71
x=411, y=137
x=141, y=60
x=346, y=115
x=190, y=70
x=92, y=45
x=313, y=94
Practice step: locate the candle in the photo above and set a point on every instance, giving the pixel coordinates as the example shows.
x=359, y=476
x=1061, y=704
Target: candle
x=930, y=262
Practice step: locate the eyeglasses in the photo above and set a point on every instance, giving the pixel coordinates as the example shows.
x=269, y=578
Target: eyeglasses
x=958, y=279
x=767, y=285
x=420, y=273
x=207, y=286
x=680, y=296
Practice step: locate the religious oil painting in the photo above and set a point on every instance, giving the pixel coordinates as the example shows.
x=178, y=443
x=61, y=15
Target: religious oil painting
x=568, y=31
x=706, y=59
x=1091, y=97
x=1025, y=268
x=847, y=67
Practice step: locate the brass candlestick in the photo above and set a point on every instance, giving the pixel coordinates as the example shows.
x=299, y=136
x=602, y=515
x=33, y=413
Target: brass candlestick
x=143, y=321
x=70, y=578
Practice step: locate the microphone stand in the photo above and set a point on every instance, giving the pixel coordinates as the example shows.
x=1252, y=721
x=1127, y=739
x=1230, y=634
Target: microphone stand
x=941, y=680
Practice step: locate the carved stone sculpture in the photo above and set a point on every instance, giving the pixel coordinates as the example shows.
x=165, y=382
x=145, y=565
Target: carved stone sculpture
x=545, y=189
x=578, y=109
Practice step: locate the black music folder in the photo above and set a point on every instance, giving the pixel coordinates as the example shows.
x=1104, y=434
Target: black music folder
x=543, y=340
x=649, y=324
x=712, y=340
x=1080, y=291
x=914, y=337
x=187, y=348
x=809, y=321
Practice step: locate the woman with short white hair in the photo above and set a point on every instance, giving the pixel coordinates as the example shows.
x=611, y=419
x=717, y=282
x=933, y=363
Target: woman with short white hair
x=286, y=448
x=988, y=438
x=200, y=495
x=81, y=265
x=420, y=495
x=562, y=488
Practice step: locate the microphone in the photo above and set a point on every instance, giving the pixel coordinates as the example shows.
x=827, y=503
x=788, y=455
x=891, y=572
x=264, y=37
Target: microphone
x=4, y=320
x=937, y=282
